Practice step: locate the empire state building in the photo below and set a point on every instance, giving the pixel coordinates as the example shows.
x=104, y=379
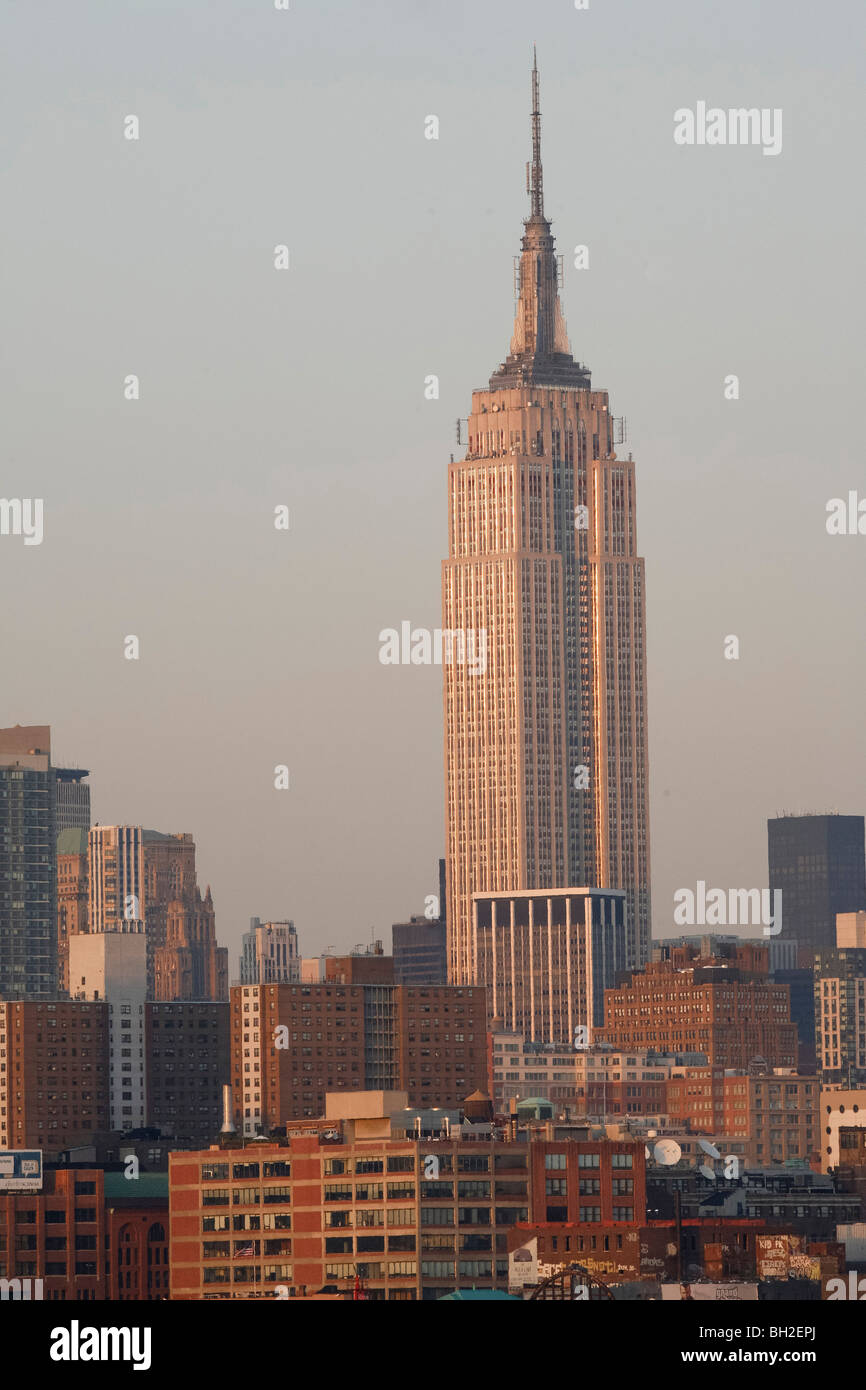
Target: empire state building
x=546, y=771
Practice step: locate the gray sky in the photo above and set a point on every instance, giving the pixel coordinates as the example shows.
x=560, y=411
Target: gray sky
x=306, y=387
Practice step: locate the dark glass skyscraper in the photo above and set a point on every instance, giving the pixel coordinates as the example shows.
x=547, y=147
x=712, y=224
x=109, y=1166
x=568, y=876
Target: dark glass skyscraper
x=818, y=863
x=28, y=864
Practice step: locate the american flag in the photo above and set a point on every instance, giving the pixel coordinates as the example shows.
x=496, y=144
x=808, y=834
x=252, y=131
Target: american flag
x=247, y=1250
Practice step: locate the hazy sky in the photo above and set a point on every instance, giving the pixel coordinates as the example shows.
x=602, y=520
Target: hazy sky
x=306, y=387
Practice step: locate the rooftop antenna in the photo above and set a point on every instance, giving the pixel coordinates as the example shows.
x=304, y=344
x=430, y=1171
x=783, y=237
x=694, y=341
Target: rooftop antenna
x=536, y=191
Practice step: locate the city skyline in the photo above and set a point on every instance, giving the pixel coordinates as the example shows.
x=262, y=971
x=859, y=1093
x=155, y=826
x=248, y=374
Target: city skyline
x=383, y=546
x=733, y=494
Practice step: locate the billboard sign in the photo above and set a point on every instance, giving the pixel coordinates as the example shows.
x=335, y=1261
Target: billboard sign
x=523, y=1267
x=21, y=1170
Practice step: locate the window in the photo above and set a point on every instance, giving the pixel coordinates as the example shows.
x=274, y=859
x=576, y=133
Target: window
x=437, y=1216
x=369, y=1165
x=473, y=1188
x=215, y=1250
x=277, y=1195
x=338, y=1192
x=374, y=1216
x=474, y=1216
x=214, y=1172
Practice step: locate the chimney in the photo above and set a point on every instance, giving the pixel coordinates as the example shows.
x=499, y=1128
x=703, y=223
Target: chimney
x=228, y=1127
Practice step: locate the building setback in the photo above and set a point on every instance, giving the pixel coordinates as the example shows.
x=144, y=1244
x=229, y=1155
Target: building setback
x=546, y=769
x=293, y=1043
x=545, y=959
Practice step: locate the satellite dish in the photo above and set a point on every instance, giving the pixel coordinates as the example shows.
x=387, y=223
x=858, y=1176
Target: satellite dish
x=667, y=1152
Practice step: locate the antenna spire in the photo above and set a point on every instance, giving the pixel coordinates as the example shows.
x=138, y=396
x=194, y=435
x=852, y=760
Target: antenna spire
x=536, y=189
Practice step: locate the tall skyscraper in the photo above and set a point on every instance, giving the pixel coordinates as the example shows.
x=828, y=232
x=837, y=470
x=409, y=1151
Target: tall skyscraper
x=839, y=984
x=546, y=740
x=73, y=799
x=28, y=864
x=72, y=896
x=169, y=876
x=191, y=965
x=269, y=953
x=420, y=952
x=818, y=864
x=116, y=876
x=184, y=960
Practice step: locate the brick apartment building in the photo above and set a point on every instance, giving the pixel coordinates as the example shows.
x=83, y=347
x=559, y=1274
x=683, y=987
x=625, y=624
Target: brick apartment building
x=411, y=1219
x=777, y=1113
x=292, y=1043
x=55, y=1078
x=88, y=1235
x=188, y=1063
x=727, y=1009
x=136, y=1212
x=57, y=1235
